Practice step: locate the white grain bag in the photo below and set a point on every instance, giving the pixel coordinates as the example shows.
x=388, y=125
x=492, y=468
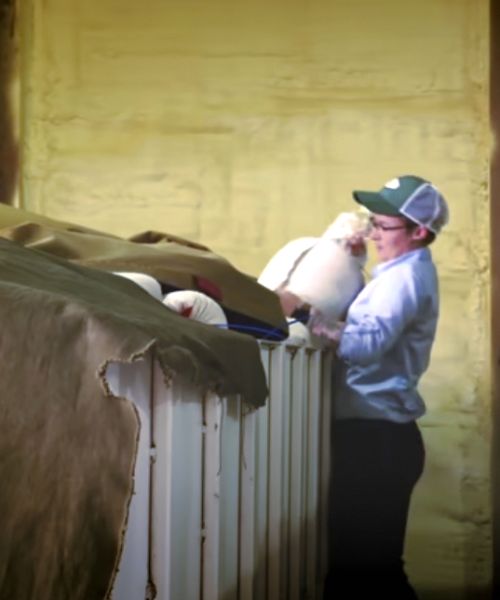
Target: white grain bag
x=197, y=306
x=146, y=282
x=321, y=272
x=276, y=273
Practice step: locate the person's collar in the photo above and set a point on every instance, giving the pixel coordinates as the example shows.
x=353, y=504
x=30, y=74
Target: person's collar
x=417, y=254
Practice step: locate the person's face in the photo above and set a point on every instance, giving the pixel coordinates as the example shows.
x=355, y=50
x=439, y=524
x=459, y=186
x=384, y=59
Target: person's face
x=392, y=236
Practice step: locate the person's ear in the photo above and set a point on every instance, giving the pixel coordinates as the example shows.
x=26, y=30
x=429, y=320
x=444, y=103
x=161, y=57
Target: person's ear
x=419, y=233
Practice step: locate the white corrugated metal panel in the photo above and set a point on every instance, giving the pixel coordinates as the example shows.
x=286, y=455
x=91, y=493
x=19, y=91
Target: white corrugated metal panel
x=178, y=491
x=134, y=382
x=238, y=495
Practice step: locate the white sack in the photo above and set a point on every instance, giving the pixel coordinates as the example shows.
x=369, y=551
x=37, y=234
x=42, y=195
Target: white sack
x=277, y=271
x=322, y=272
x=327, y=278
x=298, y=334
x=196, y=306
x=146, y=282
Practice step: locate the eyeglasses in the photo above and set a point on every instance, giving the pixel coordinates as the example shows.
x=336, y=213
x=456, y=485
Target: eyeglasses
x=381, y=227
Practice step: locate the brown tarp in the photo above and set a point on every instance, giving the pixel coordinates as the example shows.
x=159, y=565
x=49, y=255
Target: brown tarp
x=168, y=258
x=67, y=447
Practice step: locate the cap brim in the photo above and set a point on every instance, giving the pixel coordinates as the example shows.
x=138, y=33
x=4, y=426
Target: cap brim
x=375, y=203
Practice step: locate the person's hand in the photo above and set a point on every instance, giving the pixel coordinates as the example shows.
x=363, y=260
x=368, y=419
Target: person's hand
x=289, y=302
x=337, y=332
x=329, y=332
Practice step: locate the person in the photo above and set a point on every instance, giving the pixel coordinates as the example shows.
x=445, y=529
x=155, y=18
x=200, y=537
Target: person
x=384, y=348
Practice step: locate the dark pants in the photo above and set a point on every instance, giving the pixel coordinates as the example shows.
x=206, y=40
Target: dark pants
x=375, y=467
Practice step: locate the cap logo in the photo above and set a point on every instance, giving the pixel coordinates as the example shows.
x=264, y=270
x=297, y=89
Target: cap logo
x=393, y=184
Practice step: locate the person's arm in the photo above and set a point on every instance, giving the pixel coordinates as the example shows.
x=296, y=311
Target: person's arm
x=379, y=319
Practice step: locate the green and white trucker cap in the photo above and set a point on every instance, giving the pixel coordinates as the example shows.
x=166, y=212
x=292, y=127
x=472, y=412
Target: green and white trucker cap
x=411, y=197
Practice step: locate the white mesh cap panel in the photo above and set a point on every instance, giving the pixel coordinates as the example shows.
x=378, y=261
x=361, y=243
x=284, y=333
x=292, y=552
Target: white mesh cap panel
x=426, y=207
